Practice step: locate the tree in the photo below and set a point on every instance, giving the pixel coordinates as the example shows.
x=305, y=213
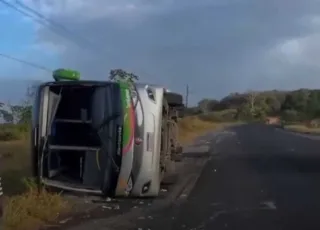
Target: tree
x=290, y=115
x=6, y=115
x=252, y=96
x=232, y=101
x=122, y=75
x=243, y=112
x=261, y=108
x=25, y=114
x=15, y=113
x=313, y=104
x=273, y=104
x=26, y=110
x=296, y=100
x=207, y=105
x=19, y=113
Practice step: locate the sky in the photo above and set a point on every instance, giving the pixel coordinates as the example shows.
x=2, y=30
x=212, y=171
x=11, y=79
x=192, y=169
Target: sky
x=18, y=39
x=215, y=46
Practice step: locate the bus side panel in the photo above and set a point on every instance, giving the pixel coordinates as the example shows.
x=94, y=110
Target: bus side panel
x=124, y=184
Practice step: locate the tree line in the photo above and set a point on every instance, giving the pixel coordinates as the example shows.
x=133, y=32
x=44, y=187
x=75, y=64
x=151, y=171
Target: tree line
x=292, y=106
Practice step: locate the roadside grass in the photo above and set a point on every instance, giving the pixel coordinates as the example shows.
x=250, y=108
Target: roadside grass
x=14, y=132
x=25, y=207
x=302, y=129
x=192, y=127
x=14, y=165
x=32, y=209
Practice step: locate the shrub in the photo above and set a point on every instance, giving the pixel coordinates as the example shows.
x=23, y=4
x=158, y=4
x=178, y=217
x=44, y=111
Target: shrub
x=11, y=132
x=227, y=115
x=290, y=115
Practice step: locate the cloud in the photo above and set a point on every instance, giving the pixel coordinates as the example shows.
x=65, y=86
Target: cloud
x=215, y=46
x=301, y=51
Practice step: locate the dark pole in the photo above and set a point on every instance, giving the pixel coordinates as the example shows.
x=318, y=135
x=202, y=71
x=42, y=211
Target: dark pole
x=187, y=96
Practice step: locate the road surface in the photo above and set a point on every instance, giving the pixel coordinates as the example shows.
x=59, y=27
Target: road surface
x=258, y=178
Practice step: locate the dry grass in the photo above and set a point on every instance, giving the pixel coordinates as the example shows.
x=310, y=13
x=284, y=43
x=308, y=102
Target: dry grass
x=25, y=208
x=192, y=127
x=32, y=209
x=302, y=129
x=14, y=165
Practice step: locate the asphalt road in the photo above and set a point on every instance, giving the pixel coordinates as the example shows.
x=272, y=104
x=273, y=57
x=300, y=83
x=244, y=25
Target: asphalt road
x=258, y=178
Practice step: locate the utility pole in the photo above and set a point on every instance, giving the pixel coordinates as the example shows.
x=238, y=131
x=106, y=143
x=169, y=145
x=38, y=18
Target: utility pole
x=187, y=95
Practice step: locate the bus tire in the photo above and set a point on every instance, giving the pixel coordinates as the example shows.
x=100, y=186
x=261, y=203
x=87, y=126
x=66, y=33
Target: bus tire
x=170, y=176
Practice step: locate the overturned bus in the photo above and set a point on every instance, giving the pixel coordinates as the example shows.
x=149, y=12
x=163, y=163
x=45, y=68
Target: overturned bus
x=104, y=137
